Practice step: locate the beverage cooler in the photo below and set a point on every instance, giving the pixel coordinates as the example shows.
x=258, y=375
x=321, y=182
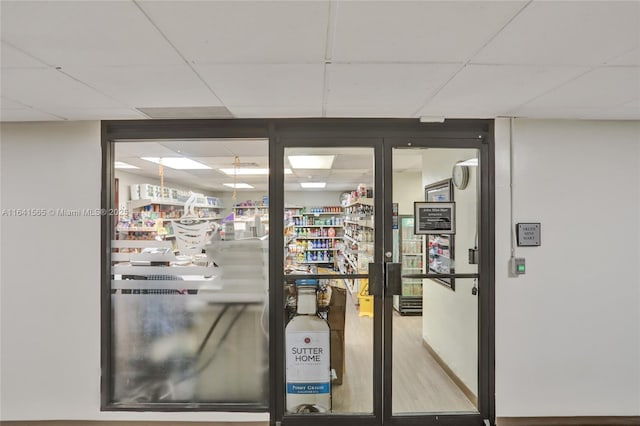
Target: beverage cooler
x=409, y=250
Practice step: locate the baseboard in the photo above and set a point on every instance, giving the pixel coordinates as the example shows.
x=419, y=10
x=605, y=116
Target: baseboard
x=463, y=387
x=569, y=421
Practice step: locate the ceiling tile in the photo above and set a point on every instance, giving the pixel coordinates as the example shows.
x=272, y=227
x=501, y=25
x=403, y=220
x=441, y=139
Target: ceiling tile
x=9, y=104
x=382, y=89
x=600, y=88
x=244, y=31
x=352, y=162
x=578, y=113
x=428, y=31
x=220, y=148
x=147, y=149
x=149, y=86
x=251, y=85
x=631, y=58
x=13, y=58
x=567, y=33
x=86, y=33
x=491, y=90
x=99, y=114
x=25, y=114
x=50, y=90
x=307, y=111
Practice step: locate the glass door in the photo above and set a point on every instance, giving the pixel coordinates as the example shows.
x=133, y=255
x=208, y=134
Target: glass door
x=432, y=316
x=329, y=304
x=377, y=308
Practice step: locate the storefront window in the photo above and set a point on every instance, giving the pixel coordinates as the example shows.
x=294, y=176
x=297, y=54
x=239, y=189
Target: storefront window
x=189, y=273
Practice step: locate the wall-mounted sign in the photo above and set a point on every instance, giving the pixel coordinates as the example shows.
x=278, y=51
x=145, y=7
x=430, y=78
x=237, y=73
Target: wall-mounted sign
x=434, y=218
x=528, y=234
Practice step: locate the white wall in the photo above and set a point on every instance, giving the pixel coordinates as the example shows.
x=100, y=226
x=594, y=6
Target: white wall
x=50, y=278
x=450, y=318
x=568, y=332
x=407, y=188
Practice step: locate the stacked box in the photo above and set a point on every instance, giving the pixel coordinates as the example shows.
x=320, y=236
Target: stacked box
x=337, y=307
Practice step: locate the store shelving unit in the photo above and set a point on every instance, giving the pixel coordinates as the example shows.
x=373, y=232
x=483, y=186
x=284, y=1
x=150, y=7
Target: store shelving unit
x=358, y=242
x=153, y=214
x=409, y=251
x=317, y=234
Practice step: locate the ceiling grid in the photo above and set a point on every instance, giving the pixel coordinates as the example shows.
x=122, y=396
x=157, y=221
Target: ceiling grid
x=324, y=58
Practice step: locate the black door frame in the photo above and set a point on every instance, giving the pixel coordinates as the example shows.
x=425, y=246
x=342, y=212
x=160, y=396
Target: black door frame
x=477, y=134
x=486, y=404
x=320, y=129
x=277, y=162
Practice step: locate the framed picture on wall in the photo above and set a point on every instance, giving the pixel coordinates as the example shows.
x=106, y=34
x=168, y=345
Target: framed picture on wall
x=441, y=191
x=440, y=246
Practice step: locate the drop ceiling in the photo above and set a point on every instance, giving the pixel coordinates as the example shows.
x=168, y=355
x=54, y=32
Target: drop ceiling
x=93, y=60
x=350, y=167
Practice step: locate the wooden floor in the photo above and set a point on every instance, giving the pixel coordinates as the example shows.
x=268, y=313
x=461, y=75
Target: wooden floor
x=419, y=383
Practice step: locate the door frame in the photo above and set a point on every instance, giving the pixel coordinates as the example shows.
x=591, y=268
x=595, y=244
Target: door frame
x=486, y=278
x=277, y=316
x=275, y=130
x=386, y=134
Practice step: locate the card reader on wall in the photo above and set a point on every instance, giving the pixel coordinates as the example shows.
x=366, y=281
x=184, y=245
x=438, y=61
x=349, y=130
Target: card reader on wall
x=517, y=266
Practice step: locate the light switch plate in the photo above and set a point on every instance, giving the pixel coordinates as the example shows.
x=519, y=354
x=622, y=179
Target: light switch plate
x=517, y=266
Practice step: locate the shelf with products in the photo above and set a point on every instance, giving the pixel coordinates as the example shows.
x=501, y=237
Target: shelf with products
x=317, y=211
x=408, y=250
x=316, y=233
x=358, y=241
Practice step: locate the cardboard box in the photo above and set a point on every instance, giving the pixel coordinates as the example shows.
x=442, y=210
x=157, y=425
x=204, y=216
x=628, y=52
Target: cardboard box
x=336, y=318
x=337, y=308
x=337, y=354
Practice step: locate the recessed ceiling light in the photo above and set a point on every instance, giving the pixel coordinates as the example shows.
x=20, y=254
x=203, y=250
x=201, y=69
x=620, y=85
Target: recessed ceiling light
x=311, y=161
x=121, y=165
x=238, y=185
x=178, y=163
x=250, y=171
x=313, y=184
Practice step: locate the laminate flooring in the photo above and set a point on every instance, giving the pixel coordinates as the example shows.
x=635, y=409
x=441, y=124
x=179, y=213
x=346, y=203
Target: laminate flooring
x=419, y=383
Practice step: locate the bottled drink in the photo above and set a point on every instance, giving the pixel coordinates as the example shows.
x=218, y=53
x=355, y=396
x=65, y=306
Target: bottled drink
x=307, y=355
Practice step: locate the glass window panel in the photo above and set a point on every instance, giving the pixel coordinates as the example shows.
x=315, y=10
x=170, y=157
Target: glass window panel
x=190, y=273
x=329, y=229
x=435, y=320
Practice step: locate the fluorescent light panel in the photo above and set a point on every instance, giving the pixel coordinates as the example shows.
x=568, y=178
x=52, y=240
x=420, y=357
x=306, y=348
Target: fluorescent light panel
x=178, y=163
x=249, y=171
x=311, y=161
x=313, y=184
x=238, y=185
x=122, y=165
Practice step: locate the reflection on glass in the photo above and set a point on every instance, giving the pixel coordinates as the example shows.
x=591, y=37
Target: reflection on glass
x=328, y=222
x=435, y=348
x=190, y=274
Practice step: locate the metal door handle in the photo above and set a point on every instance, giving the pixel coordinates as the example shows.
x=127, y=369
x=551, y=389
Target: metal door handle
x=393, y=279
x=376, y=279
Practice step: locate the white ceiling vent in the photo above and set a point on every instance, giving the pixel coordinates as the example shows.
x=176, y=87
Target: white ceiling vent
x=187, y=112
